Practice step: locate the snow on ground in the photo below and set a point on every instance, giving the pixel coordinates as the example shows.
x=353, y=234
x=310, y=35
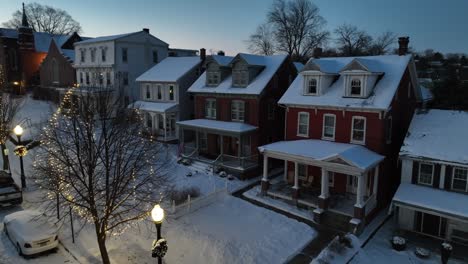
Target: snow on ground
x=337, y=252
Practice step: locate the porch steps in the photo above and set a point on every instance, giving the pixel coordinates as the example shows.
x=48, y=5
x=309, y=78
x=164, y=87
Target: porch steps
x=200, y=166
x=335, y=220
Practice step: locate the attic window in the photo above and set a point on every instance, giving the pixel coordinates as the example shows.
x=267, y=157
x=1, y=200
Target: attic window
x=311, y=86
x=212, y=78
x=356, y=87
x=240, y=78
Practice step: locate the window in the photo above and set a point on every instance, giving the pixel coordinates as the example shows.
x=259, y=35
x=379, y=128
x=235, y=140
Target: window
x=210, y=108
x=101, y=79
x=108, y=78
x=125, y=78
x=303, y=124
x=329, y=122
x=93, y=55
x=203, y=140
x=159, y=88
x=124, y=55
x=356, y=87
x=87, y=78
x=389, y=129
x=149, y=121
x=81, y=78
x=331, y=178
x=83, y=53
x=302, y=171
x=213, y=78
x=460, y=179
x=103, y=55
x=240, y=78
x=155, y=56
x=312, y=86
x=237, y=110
x=426, y=172
x=358, y=133
x=171, y=92
x=148, y=92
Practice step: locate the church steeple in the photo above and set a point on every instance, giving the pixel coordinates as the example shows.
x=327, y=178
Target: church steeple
x=24, y=21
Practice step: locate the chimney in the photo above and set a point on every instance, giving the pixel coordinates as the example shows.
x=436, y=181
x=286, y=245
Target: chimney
x=146, y=30
x=202, y=54
x=221, y=53
x=317, y=53
x=403, y=45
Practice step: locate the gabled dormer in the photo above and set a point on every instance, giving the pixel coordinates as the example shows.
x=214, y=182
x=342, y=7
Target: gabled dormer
x=217, y=69
x=317, y=77
x=360, y=77
x=245, y=67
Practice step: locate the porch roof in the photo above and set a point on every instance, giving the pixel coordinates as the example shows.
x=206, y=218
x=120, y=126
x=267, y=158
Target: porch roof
x=218, y=126
x=449, y=203
x=154, y=106
x=321, y=150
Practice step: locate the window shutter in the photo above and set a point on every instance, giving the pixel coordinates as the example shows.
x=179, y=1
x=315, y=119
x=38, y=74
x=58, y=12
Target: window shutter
x=246, y=112
x=448, y=177
x=436, y=180
x=414, y=179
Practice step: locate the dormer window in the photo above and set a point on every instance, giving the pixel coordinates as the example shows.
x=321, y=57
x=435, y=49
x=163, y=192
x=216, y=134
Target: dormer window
x=356, y=87
x=312, y=86
x=212, y=78
x=240, y=78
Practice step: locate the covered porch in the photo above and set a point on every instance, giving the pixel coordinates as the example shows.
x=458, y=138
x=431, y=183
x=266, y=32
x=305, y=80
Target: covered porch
x=160, y=118
x=328, y=176
x=223, y=144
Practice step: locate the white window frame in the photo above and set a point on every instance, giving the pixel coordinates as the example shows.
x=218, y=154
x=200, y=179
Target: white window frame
x=103, y=55
x=159, y=92
x=324, y=126
x=169, y=94
x=352, y=130
x=307, y=86
x=213, y=78
x=238, y=111
x=210, y=111
x=389, y=128
x=93, y=55
x=351, y=87
x=419, y=174
x=331, y=179
x=299, y=134
x=147, y=91
x=453, y=178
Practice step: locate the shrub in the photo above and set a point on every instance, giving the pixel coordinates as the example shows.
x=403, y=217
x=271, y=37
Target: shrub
x=180, y=195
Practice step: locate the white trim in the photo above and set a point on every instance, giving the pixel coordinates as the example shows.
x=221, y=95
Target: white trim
x=453, y=176
x=363, y=142
x=209, y=110
x=432, y=176
x=306, y=85
x=299, y=122
x=334, y=127
x=237, y=110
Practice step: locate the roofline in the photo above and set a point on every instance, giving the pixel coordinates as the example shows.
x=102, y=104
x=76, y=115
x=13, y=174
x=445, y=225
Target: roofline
x=410, y=156
x=180, y=77
x=340, y=108
x=118, y=38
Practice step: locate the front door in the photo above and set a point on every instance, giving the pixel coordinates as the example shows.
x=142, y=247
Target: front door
x=351, y=185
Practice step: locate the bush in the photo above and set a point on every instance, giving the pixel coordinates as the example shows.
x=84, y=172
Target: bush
x=180, y=195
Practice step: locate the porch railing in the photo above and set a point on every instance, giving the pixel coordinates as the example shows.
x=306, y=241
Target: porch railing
x=239, y=162
x=189, y=152
x=370, y=204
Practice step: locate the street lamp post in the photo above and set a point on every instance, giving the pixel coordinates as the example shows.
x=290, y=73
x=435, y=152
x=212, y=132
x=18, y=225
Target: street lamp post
x=159, y=245
x=18, y=130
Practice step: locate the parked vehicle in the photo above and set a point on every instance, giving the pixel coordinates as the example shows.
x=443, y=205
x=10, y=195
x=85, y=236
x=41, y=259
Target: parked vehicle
x=10, y=192
x=31, y=232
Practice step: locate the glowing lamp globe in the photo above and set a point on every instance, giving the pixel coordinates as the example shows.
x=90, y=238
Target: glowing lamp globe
x=157, y=214
x=18, y=130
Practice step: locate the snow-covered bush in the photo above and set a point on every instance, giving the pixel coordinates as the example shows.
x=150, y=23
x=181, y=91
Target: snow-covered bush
x=179, y=196
x=223, y=174
x=398, y=243
x=447, y=246
x=422, y=252
x=230, y=177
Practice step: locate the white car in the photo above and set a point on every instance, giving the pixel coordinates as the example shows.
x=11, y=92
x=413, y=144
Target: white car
x=30, y=232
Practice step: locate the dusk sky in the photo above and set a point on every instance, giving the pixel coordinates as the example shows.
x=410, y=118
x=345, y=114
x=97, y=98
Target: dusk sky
x=216, y=24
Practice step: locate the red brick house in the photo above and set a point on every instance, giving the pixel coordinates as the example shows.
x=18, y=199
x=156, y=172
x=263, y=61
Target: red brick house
x=236, y=111
x=346, y=119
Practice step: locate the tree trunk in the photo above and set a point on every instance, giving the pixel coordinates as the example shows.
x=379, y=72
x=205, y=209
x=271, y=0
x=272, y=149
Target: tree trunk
x=101, y=239
x=6, y=162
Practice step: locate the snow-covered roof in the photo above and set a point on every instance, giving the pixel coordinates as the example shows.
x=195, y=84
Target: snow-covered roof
x=170, y=69
x=154, y=106
x=439, y=135
x=433, y=199
x=8, y=33
x=70, y=54
x=42, y=40
x=271, y=65
x=222, y=60
x=392, y=66
x=223, y=126
x=314, y=149
x=105, y=38
x=299, y=66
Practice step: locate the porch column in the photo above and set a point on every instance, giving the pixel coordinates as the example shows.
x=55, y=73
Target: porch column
x=295, y=194
x=285, y=176
x=359, y=208
x=324, y=196
x=442, y=177
x=265, y=182
x=164, y=125
x=376, y=181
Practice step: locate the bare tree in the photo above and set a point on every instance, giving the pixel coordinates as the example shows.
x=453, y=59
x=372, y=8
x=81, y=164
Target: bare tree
x=94, y=157
x=352, y=41
x=262, y=41
x=44, y=18
x=298, y=27
x=9, y=107
x=381, y=45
